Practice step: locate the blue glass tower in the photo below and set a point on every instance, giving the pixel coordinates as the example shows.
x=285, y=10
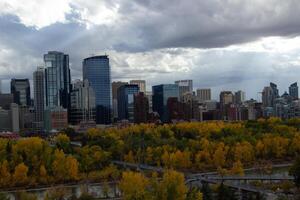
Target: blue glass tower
x=126, y=101
x=161, y=94
x=96, y=70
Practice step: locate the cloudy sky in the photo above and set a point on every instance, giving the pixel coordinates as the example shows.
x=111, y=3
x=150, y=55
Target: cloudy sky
x=221, y=44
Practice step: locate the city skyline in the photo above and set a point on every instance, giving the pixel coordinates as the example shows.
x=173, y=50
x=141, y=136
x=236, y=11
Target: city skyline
x=232, y=45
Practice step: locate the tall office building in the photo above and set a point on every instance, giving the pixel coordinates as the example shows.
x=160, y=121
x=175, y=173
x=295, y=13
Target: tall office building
x=96, y=70
x=39, y=92
x=140, y=83
x=141, y=108
x=57, y=80
x=226, y=98
x=161, y=94
x=203, y=95
x=239, y=97
x=126, y=101
x=83, y=105
x=6, y=100
x=269, y=94
x=184, y=86
x=293, y=90
x=20, y=88
x=115, y=87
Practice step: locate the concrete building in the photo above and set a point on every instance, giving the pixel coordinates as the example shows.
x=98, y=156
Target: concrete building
x=83, y=105
x=203, y=95
x=184, y=86
x=39, y=94
x=140, y=83
x=269, y=94
x=149, y=96
x=161, y=94
x=226, y=98
x=239, y=97
x=55, y=119
x=141, y=108
x=6, y=100
x=20, y=88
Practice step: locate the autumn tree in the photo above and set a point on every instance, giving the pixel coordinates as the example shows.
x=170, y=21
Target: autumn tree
x=5, y=176
x=20, y=175
x=133, y=186
x=237, y=168
x=63, y=142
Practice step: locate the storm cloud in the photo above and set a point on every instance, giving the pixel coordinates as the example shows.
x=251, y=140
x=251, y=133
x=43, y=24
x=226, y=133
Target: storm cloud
x=222, y=44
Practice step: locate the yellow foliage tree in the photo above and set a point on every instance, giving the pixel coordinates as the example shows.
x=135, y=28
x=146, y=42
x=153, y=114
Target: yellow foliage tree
x=43, y=176
x=133, y=186
x=219, y=156
x=5, y=175
x=72, y=168
x=20, y=175
x=237, y=168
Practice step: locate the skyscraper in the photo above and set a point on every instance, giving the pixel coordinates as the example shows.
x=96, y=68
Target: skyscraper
x=184, y=86
x=96, y=70
x=115, y=87
x=226, y=98
x=83, y=105
x=39, y=91
x=140, y=83
x=293, y=90
x=239, y=97
x=269, y=94
x=203, y=95
x=126, y=101
x=161, y=94
x=20, y=88
x=57, y=80
x=141, y=108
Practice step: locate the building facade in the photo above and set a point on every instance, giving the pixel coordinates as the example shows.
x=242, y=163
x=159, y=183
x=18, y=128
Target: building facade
x=39, y=93
x=161, y=94
x=203, y=95
x=140, y=83
x=96, y=70
x=293, y=91
x=126, y=101
x=20, y=88
x=184, y=86
x=141, y=108
x=57, y=80
x=115, y=87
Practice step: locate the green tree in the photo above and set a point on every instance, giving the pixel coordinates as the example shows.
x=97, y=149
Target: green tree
x=295, y=171
x=206, y=191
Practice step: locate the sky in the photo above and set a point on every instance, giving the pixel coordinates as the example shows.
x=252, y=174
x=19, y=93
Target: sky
x=219, y=44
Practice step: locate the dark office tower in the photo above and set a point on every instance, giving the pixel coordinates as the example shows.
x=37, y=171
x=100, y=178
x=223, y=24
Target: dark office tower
x=57, y=80
x=126, y=101
x=96, y=70
x=161, y=94
x=275, y=90
x=115, y=87
x=39, y=91
x=226, y=98
x=141, y=108
x=269, y=94
x=293, y=90
x=20, y=88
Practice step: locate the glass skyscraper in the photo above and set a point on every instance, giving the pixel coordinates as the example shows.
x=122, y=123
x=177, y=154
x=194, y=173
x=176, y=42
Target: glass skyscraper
x=161, y=94
x=96, y=70
x=126, y=101
x=57, y=80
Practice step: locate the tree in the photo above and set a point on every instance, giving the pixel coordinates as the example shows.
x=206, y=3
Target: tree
x=219, y=156
x=194, y=194
x=5, y=175
x=225, y=193
x=20, y=175
x=295, y=171
x=72, y=168
x=43, y=176
x=58, y=166
x=3, y=197
x=173, y=186
x=63, y=142
x=133, y=186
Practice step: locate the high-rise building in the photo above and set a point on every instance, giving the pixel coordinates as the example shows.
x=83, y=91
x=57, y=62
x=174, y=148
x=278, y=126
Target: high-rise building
x=226, y=98
x=149, y=96
x=161, y=94
x=83, y=107
x=126, y=101
x=239, y=97
x=141, y=108
x=269, y=94
x=6, y=100
x=20, y=88
x=96, y=70
x=39, y=92
x=140, y=83
x=293, y=90
x=115, y=87
x=57, y=80
x=184, y=86
x=203, y=95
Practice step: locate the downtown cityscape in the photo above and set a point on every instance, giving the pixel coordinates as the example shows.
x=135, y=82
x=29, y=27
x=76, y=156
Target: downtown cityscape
x=149, y=100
